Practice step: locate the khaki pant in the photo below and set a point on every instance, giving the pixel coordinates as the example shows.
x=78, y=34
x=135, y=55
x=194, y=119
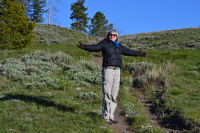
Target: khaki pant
x=110, y=88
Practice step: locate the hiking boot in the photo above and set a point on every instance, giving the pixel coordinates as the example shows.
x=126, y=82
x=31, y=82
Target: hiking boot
x=113, y=121
x=108, y=121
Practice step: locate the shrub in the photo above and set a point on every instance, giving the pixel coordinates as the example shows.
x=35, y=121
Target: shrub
x=87, y=95
x=126, y=81
x=150, y=78
x=84, y=73
x=35, y=69
x=138, y=68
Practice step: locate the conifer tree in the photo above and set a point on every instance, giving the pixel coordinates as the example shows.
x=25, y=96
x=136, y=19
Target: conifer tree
x=29, y=8
x=37, y=10
x=79, y=16
x=99, y=25
x=16, y=30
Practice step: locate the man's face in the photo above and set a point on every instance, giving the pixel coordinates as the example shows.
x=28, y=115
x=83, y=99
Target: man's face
x=113, y=36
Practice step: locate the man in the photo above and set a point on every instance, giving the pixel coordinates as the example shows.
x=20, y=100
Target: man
x=111, y=51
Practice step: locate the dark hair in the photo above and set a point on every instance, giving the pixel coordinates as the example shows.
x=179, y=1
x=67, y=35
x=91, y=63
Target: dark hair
x=110, y=32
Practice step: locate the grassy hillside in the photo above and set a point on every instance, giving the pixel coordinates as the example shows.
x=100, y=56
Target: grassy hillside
x=53, y=86
x=169, y=39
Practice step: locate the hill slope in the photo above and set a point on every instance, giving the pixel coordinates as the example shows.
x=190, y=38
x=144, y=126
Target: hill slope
x=53, y=86
x=169, y=39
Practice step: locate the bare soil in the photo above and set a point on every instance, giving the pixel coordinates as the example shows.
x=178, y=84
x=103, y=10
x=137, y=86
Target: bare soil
x=124, y=124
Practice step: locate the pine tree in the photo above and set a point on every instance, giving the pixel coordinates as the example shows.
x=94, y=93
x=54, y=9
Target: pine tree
x=99, y=25
x=79, y=16
x=29, y=8
x=37, y=10
x=16, y=30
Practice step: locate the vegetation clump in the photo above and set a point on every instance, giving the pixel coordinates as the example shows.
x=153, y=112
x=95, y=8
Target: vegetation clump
x=34, y=70
x=84, y=73
x=87, y=95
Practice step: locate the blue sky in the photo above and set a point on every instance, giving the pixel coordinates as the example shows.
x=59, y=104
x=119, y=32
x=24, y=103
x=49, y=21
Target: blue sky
x=138, y=16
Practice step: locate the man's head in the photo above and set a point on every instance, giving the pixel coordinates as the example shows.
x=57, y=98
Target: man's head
x=112, y=35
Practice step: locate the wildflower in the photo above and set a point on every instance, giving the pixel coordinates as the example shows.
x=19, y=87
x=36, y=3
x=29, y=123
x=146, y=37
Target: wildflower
x=14, y=100
x=78, y=89
x=137, y=112
x=102, y=127
x=18, y=108
x=149, y=126
x=127, y=112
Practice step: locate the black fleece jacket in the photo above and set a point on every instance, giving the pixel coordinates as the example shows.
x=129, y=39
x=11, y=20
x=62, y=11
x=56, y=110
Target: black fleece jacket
x=111, y=54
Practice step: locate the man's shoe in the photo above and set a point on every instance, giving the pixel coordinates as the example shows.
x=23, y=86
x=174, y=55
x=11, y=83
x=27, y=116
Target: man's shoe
x=113, y=121
x=108, y=121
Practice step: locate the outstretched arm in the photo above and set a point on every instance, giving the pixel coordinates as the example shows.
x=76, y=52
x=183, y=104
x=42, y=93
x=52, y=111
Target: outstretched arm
x=91, y=48
x=129, y=52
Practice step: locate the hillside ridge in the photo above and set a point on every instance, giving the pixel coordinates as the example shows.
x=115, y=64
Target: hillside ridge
x=187, y=38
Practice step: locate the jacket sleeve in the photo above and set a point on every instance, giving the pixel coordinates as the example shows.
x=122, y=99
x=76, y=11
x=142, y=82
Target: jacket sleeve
x=129, y=52
x=94, y=48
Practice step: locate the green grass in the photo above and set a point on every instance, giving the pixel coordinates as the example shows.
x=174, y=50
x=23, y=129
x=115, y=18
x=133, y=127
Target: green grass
x=68, y=99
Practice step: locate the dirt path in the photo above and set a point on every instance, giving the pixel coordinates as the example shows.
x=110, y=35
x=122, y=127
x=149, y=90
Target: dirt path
x=124, y=124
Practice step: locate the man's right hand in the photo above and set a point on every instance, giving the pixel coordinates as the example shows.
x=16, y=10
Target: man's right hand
x=140, y=53
x=82, y=46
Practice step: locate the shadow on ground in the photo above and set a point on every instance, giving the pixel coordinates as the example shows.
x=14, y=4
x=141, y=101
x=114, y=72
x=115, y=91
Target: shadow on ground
x=39, y=100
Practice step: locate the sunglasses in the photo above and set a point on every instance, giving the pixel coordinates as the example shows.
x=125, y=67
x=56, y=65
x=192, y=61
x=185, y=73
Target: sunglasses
x=113, y=35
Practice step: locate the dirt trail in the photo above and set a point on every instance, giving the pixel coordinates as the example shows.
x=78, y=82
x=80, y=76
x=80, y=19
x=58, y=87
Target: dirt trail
x=124, y=124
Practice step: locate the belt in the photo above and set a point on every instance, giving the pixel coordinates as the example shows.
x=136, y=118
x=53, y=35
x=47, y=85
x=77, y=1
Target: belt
x=112, y=67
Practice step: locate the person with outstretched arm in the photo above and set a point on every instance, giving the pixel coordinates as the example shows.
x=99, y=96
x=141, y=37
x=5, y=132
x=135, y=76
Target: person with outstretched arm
x=111, y=50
